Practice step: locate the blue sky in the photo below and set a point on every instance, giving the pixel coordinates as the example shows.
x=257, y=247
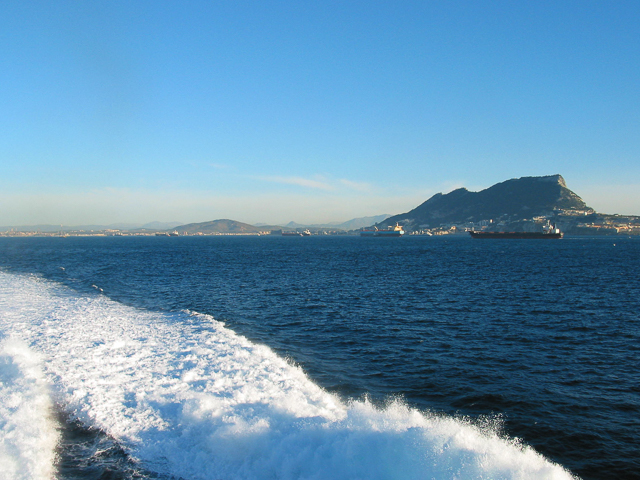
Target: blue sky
x=272, y=111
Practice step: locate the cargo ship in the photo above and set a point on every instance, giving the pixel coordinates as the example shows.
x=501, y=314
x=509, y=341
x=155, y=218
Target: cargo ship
x=548, y=233
x=396, y=231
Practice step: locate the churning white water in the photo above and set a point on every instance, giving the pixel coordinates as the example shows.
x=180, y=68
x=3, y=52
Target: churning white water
x=28, y=434
x=187, y=397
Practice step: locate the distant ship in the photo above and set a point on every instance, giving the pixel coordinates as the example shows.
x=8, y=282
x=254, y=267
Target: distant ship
x=168, y=234
x=548, y=233
x=305, y=233
x=396, y=231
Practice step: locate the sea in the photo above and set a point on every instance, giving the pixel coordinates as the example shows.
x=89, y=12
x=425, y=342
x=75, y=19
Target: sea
x=322, y=357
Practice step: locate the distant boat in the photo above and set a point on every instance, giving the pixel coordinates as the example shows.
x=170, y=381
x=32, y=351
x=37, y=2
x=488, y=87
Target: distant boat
x=396, y=231
x=548, y=233
x=304, y=233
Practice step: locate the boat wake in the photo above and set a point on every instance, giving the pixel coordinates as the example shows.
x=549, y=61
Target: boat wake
x=185, y=397
x=28, y=434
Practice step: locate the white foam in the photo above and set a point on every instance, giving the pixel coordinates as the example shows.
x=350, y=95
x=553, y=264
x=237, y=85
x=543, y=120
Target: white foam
x=188, y=397
x=28, y=436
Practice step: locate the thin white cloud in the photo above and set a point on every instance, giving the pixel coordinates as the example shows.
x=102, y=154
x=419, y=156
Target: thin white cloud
x=357, y=186
x=320, y=182
x=301, y=182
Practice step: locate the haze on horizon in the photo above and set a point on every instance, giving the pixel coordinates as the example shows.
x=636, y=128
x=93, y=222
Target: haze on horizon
x=268, y=112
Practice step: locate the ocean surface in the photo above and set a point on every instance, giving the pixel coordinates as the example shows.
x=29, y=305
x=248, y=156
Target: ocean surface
x=319, y=358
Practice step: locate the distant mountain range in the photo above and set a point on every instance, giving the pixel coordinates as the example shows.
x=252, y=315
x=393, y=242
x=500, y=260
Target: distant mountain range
x=511, y=200
x=47, y=228
x=213, y=226
x=232, y=226
x=352, y=224
x=510, y=204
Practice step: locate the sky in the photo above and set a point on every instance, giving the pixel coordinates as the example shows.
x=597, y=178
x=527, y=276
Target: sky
x=315, y=111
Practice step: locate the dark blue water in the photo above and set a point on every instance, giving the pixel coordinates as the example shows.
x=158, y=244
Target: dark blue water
x=544, y=335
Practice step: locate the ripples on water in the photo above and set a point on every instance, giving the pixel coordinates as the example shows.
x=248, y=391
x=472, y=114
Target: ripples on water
x=541, y=336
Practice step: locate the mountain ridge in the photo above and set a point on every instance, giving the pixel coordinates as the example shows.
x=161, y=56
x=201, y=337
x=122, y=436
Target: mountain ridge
x=353, y=224
x=223, y=225
x=517, y=198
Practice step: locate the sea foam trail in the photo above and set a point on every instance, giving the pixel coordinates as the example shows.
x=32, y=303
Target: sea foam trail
x=28, y=434
x=188, y=397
